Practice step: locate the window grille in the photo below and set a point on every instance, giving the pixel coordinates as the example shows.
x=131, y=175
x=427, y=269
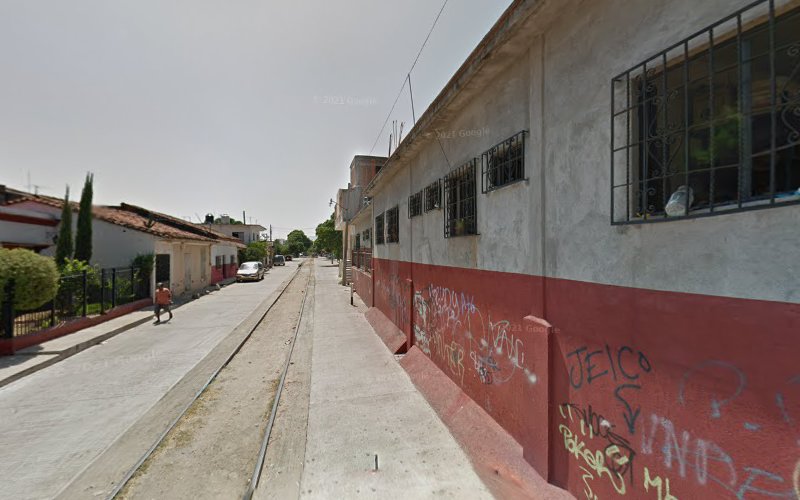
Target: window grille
x=433, y=195
x=460, y=190
x=393, y=225
x=415, y=205
x=379, y=230
x=365, y=235
x=504, y=163
x=712, y=124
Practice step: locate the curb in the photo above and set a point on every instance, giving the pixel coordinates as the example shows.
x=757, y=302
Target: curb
x=71, y=351
x=82, y=346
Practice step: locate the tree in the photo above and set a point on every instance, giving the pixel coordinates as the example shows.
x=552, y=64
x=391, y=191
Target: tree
x=297, y=242
x=255, y=251
x=64, y=244
x=35, y=277
x=328, y=238
x=83, y=237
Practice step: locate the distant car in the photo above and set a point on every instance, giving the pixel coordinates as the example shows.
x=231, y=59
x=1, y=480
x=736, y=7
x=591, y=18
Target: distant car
x=288, y=257
x=279, y=261
x=250, y=271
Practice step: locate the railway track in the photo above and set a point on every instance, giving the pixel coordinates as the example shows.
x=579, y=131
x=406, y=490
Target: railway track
x=127, y=489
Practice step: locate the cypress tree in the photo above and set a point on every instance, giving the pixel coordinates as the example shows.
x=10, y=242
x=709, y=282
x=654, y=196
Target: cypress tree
x=64, y=245
x=83, y=238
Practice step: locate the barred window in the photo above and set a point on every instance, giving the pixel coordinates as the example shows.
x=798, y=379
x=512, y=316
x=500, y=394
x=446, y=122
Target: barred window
x=433, y=195
x=504, y=163
x=393, y=225
x=218, y=261
x=379, y=229
x=712, y=124
x=460, y=192
x=358, y=241
x=415, y=205
x=365, y=235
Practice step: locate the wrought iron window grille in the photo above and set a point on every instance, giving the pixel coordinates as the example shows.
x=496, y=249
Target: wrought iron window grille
x=379, y=233
x=503, y=163
x=365, y=235
x=393, y=225
x=460, y=210
x=433, y=195
x=415, y=204
x=711, y=124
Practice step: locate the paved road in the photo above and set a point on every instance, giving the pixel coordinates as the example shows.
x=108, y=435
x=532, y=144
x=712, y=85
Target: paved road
x=56, y=422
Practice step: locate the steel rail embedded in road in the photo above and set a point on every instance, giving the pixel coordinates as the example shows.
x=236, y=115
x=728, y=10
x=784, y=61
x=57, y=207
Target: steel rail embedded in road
x=251, y=488
x=214, y=375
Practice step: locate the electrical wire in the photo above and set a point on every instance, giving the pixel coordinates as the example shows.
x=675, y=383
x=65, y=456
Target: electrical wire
x=408, y=76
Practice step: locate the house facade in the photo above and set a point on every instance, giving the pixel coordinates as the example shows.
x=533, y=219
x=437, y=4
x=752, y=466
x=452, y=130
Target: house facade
x=593, y=232
x=185, y=253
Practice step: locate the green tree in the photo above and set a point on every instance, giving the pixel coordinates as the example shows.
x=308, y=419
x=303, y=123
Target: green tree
x=35, y=277
x=83, y=237
x=297, y=242
x=328, y=238
x=255, y=251
x=64, y=244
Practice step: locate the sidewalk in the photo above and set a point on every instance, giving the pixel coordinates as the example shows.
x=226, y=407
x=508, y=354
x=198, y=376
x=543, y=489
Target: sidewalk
x=35, y=358
x=363, y=405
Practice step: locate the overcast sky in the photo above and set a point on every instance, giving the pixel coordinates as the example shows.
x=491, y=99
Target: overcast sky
x=216, y=106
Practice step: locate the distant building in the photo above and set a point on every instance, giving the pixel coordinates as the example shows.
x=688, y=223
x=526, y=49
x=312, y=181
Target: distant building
x=246, y=233
x=350, y=202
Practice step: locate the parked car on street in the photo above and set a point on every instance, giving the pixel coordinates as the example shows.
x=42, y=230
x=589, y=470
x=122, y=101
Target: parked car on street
x=279, y=261
x=250, y=271
x=288, y=257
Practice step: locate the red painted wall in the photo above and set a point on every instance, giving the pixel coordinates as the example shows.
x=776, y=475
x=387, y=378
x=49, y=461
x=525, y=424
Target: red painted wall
x=362, y=284
x=220, y=273
x=650, y=394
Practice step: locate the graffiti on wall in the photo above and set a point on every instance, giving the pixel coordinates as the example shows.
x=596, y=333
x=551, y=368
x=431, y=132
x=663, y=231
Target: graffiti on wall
x=624, y=366
x=709, y=390
x=451, y=328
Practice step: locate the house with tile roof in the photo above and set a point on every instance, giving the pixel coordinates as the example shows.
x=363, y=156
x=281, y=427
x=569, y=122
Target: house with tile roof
x=188, y=256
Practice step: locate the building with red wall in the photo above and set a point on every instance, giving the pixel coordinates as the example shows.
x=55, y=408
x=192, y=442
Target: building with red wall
x=534, y=237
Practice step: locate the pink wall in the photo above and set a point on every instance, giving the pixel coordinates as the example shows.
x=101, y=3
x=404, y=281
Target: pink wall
x=636, y=393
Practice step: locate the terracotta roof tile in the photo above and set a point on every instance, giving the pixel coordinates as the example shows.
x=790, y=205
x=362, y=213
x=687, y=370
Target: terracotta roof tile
x=141, y=219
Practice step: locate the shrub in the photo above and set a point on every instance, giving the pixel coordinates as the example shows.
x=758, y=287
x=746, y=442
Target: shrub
x=70, y=293
x=35, y=277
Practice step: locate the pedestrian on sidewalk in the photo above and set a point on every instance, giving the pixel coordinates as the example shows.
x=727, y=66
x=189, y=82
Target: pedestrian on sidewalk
x=163, y=300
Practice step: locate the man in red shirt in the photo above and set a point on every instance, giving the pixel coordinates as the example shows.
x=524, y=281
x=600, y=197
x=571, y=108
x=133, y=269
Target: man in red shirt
x=163, y=300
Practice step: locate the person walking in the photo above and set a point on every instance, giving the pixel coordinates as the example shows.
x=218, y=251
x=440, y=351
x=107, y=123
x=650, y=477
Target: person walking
x=163, y=300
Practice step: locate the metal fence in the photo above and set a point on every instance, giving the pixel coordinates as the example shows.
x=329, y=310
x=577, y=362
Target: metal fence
x=362, y=259
x=79, y=296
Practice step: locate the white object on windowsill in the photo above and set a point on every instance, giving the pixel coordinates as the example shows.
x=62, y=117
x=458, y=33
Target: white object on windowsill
x=679, y=202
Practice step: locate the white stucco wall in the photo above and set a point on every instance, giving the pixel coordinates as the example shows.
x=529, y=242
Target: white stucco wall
x=558, y=222
x=116, y=246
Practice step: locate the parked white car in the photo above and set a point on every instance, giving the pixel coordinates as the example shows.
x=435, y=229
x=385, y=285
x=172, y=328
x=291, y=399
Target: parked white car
x=250, y=271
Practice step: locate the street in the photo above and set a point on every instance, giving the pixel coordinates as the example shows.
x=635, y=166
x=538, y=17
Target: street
x=61, y=419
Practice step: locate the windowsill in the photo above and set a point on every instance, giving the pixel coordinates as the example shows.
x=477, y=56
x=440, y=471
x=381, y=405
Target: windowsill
x=512, y=183
x=780, y=200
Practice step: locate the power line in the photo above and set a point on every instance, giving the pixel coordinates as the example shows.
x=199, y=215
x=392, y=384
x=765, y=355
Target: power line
x=408, y=76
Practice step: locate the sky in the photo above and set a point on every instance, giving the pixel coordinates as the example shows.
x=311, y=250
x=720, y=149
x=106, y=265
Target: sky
x=217, y=106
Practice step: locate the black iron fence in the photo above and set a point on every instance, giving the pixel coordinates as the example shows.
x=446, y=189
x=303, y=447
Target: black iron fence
x=79, y=295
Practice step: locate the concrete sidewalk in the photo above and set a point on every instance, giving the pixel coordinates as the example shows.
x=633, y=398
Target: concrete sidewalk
x=35, y=358
x=362, y=406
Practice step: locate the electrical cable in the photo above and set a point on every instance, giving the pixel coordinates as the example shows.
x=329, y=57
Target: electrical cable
x=408, y=76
